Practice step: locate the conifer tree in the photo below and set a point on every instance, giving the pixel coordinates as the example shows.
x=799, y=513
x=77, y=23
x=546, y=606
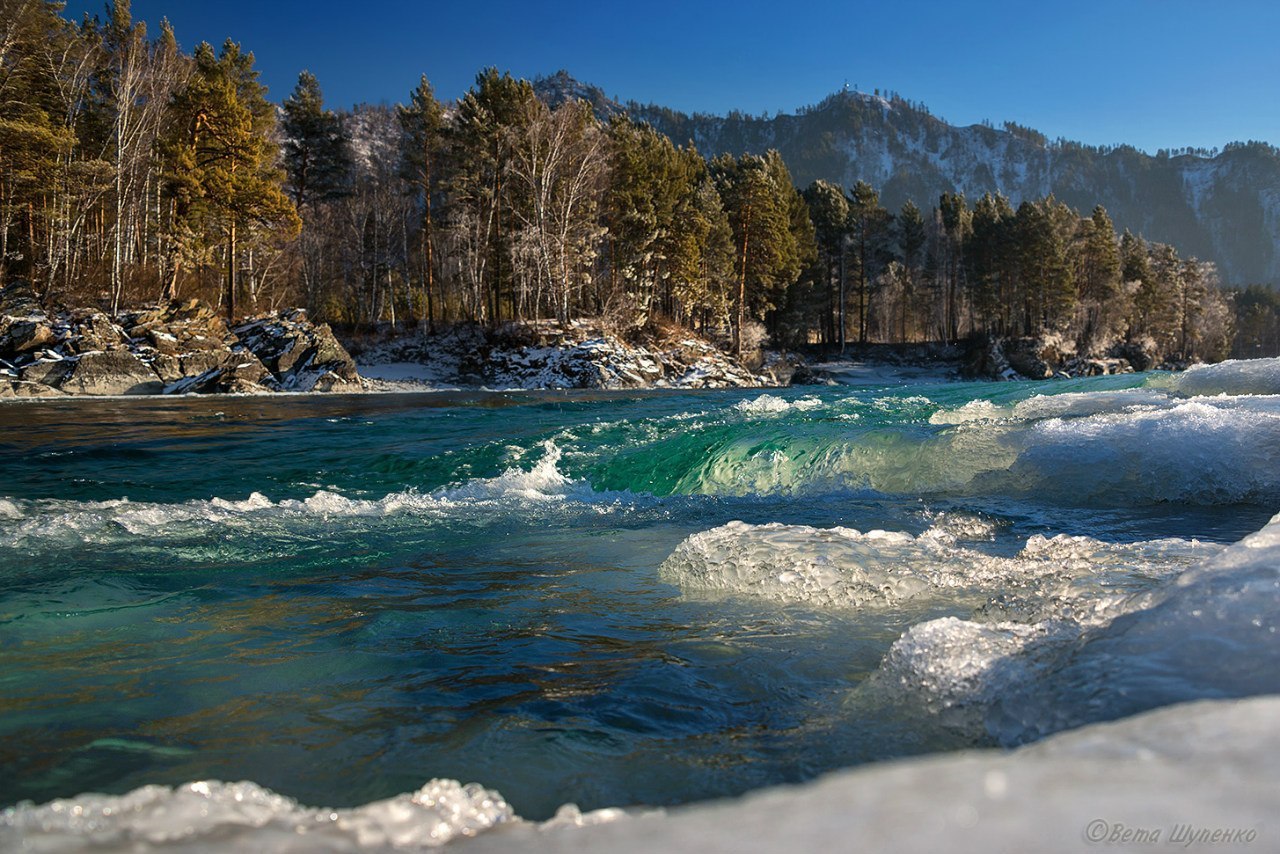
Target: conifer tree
x=490, y=118
x=759, y=213
x=422, y=121
x=870, y=233
x=988, y=265
x=955, y=222
x=911, y=237
x=829, y=212
x=221, y=158
x=1097, y=273
x=317, y=155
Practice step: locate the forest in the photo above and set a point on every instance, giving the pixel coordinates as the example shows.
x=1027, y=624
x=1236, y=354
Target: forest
x=132, y=171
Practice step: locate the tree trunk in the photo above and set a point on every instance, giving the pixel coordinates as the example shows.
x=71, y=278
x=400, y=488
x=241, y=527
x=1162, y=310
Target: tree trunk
x=231, y=271
x=742, y=285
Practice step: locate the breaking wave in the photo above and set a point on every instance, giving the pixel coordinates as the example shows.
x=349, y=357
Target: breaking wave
x=515, y=490
x=1104, y=448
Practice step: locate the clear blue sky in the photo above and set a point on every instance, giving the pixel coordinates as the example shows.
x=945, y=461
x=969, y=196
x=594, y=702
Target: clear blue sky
x=1152, y=73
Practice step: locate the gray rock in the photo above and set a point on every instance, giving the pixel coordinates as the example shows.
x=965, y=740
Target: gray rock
x=92, y=330
x=237, y=372
x=49, y=373
x=298, y=353
x=113, y=372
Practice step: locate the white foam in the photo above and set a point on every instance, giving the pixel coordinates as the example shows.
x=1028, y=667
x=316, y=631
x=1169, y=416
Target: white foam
x=231, y=815
x=101, y=521
x=769, y=404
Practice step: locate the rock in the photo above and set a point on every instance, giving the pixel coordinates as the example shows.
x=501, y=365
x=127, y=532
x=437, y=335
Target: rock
x=112, y=372
x=168, y=367
x=18, y=390
x=782, y=369
x=1139, y=355
x=237, y=372
x=1027, y=356
x=299, y=354
x=986, y=360
x=49, y=373
x=24, y=326
x=92, y=330
x=22, y=335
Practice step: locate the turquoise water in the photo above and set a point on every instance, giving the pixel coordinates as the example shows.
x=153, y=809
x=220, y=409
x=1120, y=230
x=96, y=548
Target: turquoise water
x=342, y=597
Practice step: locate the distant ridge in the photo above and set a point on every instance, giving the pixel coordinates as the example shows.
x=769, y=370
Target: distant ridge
x=1222, y=207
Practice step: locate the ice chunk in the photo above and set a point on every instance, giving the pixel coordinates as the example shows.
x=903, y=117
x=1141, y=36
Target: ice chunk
x=848, y=568
x=1237, y=376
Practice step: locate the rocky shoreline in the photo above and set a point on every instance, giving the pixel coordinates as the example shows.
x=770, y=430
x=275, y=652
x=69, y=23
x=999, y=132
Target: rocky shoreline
x=576, y=355
x=180, y=348
x=187, y=348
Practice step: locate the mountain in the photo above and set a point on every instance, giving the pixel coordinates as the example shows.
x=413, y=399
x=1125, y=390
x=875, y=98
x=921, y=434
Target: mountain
x=1221, y=207
x=562, y=86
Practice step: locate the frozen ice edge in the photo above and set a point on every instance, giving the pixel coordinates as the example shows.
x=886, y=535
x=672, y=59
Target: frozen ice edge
x=1207, y=764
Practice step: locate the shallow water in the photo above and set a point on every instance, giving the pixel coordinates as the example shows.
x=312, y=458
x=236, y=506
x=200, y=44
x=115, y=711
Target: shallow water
x=602, y=598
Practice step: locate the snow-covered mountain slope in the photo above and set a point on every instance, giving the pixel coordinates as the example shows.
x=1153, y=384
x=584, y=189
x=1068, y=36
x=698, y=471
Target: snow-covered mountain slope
x=1223, y=208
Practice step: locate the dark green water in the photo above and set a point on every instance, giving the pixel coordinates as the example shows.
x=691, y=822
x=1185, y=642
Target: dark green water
x=342, y=597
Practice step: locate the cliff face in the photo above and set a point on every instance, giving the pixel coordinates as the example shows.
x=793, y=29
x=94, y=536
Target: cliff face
x=1224, y=208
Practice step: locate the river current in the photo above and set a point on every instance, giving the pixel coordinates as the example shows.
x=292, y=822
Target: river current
x=612, y=599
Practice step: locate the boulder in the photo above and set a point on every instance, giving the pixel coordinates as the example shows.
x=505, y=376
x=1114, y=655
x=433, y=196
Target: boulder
x=92, y=330
x=111, y=372
x=299, y=354
x=17, y=389
x=237, y=372
x=24, y=326
x=1027, y=356
x=49, y=373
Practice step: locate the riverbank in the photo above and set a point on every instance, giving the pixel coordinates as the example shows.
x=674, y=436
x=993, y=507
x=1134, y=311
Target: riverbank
x=187, y=348
x=552, y=355
x=178, y=348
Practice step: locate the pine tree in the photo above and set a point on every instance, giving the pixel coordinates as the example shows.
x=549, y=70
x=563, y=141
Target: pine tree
x=649, y=180
x=988, y=263
x=490, y=118
x=422, y=121
x=702, y=254
x=32, y=141
x=829, y=212
x=317, y=155
x=221, y=158
x=767, y=259
x=955, y=222
x=911, y=237
x=1097, y=273
x=870, y=235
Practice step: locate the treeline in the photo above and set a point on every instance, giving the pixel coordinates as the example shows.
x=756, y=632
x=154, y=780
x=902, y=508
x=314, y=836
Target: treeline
x=131, y=171
x=993, y=270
